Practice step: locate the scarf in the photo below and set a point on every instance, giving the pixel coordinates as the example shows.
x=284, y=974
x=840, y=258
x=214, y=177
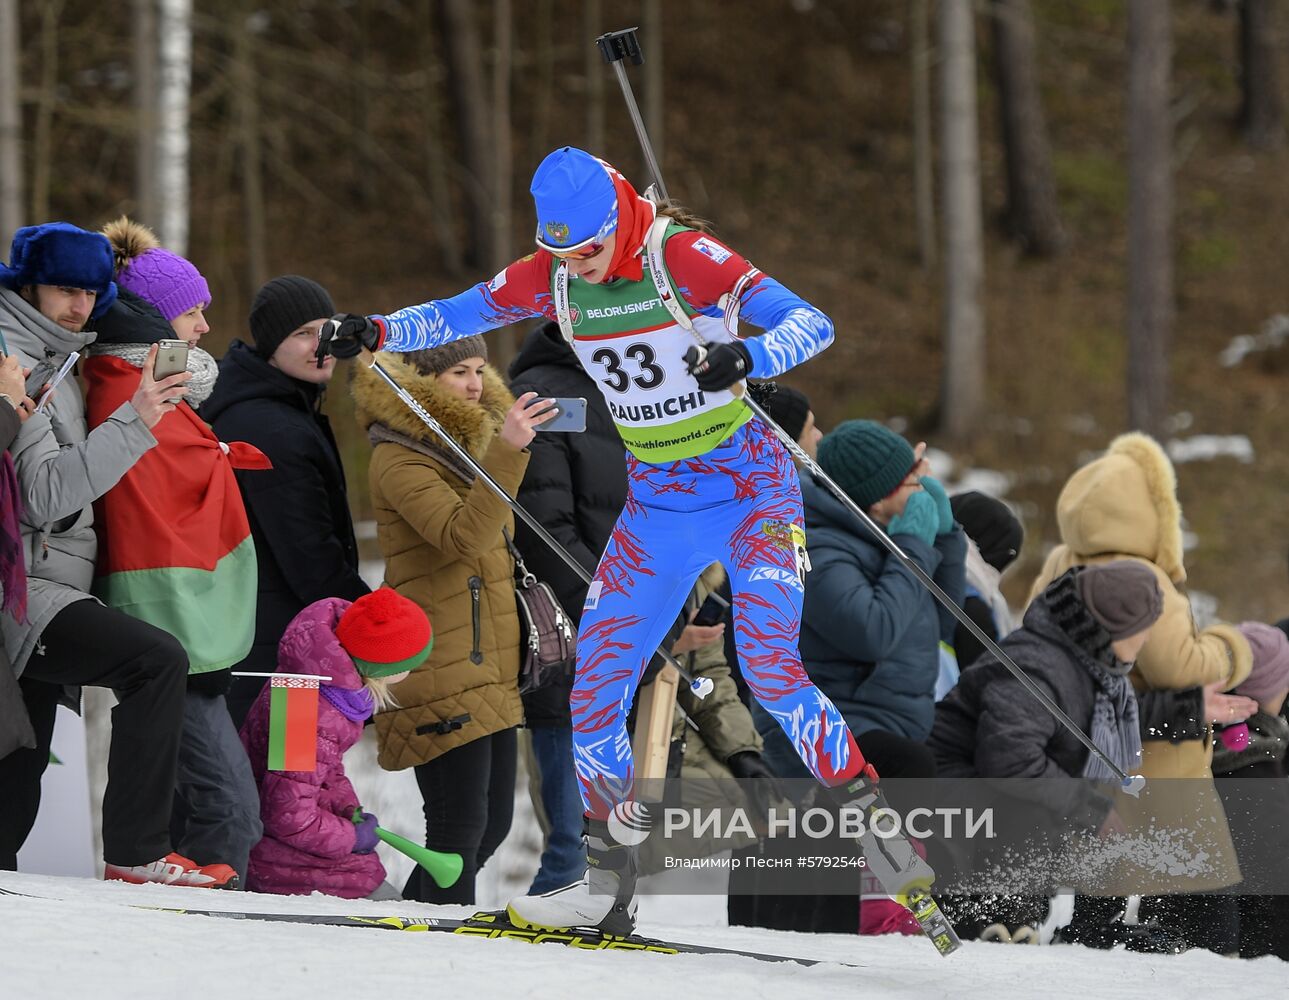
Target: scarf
x=13, y=566
x=355, y=705
x=1115, y=726
x=203, y=368
x=635, y=216
x=987, y=582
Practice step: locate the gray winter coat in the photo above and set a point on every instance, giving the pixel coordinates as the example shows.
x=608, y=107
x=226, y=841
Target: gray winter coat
x=61, y=471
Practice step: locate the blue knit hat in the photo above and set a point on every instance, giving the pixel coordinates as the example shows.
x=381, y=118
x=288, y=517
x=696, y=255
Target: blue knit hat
x=58, y=253
x=577, y=203
x=866, y=459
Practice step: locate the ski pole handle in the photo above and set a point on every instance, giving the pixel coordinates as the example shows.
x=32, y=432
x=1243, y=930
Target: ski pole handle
x=618, y=45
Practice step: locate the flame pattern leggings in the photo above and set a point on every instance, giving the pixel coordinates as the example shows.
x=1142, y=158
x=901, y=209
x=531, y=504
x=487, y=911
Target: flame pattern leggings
x=738, y=504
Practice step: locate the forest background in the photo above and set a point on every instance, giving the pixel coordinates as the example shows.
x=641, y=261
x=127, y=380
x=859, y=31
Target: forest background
x=1035, y=224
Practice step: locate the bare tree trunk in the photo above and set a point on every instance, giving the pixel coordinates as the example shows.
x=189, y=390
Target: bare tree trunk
x=11, y=207
x=502, y=252
x=595, y=72
x=923, y=153
x=652, y=43
x=465, y=77
x=43, y=163
x=543, y=83
x=500, y=245
x=1032, y=217
x=174, y=35
x=964, y=254
x=1261, y=111
x=145, y=110
x=444, y=221
x=246, y=117
x=361, y=96
x=1150, y=210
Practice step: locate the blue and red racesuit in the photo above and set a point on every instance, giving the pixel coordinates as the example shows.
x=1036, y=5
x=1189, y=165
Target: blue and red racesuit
x=735, y=500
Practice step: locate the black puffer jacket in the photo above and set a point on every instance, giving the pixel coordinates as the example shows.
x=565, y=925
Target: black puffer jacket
x=989, y=726
x=299, y=510
x=576, y=486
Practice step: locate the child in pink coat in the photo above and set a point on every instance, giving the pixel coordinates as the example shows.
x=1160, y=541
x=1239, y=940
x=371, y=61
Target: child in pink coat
x=311, y=843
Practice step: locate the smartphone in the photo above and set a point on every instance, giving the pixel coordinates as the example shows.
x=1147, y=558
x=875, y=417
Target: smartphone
x=571, y=416
x=41, y=372
x=712, y=611
x=172, y=358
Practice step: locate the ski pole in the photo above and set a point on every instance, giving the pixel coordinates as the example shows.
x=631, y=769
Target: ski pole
x=701, y=687
x=618, y=45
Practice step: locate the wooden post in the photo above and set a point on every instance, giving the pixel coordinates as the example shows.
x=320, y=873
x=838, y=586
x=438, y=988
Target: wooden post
x=655, y=710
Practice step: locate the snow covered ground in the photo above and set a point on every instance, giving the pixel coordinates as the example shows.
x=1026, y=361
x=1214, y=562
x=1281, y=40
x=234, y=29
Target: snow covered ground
x=86, y=944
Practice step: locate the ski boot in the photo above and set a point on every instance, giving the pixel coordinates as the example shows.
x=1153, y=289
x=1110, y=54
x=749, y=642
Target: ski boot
x=604, y=899
x=894, y=860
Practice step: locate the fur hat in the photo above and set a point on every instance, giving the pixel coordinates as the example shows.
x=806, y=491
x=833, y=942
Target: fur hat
x=153, y=273
x=866, y=459
x=58, y=253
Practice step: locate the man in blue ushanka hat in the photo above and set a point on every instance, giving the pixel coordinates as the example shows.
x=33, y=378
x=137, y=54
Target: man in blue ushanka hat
x=57, y=281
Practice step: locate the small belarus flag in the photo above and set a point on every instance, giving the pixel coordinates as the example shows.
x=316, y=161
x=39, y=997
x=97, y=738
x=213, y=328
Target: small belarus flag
x=293, y=723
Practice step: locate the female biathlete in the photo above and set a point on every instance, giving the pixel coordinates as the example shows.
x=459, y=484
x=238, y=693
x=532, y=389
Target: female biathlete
x=706, y=482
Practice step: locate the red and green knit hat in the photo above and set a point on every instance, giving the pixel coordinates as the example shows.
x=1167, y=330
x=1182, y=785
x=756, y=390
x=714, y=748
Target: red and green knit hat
x=385, y=633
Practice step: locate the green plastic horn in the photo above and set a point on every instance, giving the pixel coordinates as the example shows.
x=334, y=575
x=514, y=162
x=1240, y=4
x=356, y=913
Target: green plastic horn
x=445, y=869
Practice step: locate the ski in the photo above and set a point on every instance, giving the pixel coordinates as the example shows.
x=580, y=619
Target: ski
x=492, y=924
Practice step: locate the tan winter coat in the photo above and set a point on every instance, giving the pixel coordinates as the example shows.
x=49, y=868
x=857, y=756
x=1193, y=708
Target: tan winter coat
x=442, y=542
x=1124, y=505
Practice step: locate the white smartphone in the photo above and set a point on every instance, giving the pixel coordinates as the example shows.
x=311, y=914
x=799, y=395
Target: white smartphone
x=172, y=358
x=570, y=415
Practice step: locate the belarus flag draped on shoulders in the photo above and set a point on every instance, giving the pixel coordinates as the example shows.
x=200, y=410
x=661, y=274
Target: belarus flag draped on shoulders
x=175, y=547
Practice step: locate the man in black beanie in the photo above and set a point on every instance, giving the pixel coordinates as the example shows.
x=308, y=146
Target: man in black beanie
x=270, y=393
x=790, y=409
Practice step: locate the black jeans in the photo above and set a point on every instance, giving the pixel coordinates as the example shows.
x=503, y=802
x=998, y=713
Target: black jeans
x=89, y=645
x=469, y=796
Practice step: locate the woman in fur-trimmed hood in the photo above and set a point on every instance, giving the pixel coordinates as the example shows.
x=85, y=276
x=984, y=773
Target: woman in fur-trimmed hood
x=1124, y=505
x=440, y=532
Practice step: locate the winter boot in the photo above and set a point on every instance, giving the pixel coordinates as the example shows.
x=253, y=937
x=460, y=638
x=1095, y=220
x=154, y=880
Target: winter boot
x=174, y=869
x=603, y=899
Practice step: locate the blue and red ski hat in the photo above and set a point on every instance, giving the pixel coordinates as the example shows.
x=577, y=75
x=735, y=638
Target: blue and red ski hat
x=577, y=202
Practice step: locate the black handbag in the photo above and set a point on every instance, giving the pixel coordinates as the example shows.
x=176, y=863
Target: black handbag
x=547, y=637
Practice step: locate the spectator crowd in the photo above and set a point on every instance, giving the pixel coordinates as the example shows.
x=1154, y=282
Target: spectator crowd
x=178, y=537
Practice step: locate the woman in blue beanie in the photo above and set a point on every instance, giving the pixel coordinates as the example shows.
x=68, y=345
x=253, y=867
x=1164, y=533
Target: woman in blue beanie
x=631, y=284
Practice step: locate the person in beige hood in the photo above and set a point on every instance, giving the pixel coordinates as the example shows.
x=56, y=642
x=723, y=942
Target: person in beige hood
x=1123, y=505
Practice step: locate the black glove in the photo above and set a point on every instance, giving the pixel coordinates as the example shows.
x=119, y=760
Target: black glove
x=760, y=784
x=718, y=367
x=345, y=335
